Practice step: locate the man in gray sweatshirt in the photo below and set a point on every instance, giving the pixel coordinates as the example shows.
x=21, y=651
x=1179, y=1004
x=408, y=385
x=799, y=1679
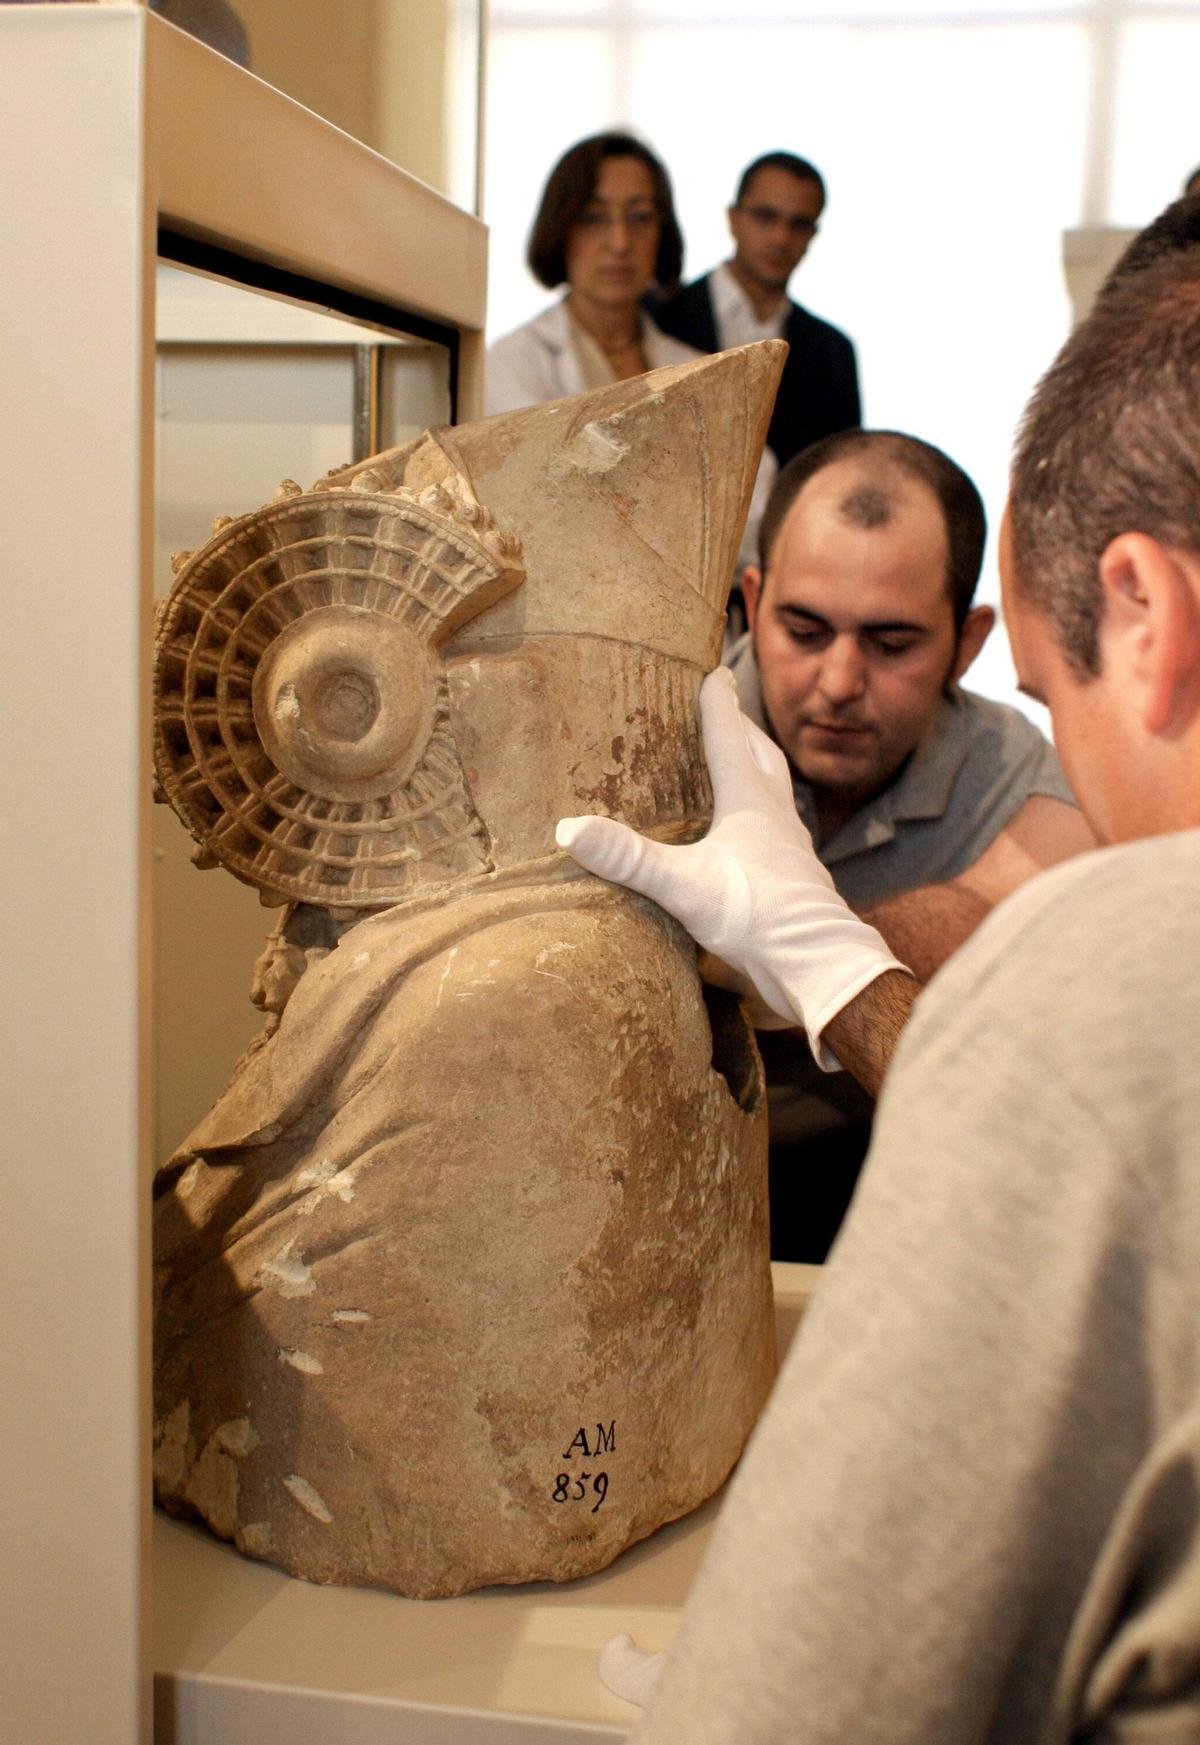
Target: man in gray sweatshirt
x=971, y=1512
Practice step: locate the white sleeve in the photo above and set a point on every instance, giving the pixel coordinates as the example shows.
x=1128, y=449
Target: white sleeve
x=512, y=376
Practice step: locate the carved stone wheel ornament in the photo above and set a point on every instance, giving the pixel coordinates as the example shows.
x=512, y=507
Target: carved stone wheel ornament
x=301, y=722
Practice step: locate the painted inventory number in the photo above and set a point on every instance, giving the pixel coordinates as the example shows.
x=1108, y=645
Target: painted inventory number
x=577, y=1487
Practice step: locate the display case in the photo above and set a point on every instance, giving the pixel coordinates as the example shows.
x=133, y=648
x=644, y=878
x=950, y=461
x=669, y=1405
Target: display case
x=126, y=143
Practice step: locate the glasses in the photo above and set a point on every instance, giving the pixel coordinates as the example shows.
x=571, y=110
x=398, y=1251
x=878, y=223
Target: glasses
x=640, y=219
x=770, y=216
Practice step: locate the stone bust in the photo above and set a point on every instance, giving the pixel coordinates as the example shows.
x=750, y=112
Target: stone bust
x=464, y=1279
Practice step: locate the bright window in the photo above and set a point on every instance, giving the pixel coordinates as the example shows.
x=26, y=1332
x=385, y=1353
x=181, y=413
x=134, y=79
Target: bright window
x=957, y=143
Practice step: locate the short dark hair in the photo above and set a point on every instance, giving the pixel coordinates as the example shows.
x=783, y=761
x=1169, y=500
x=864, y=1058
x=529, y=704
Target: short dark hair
x=870, y=504
x=1176, y=227
x=572, y=183
x=1192, y=185
x=1110, y=444
x=780, y=160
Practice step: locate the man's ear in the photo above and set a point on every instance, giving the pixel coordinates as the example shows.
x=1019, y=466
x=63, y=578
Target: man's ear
x=1151, y=626
x=752, y=581
x=975, y=631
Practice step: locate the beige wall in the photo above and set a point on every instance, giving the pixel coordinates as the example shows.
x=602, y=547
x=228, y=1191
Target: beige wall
x=318, y=52
x=411, y=97
x=73, y=1030
x=380, y=69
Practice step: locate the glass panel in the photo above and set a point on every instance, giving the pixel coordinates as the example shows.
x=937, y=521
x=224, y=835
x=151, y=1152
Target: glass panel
x=414, y=391
x=401, y=75
x=250, y=390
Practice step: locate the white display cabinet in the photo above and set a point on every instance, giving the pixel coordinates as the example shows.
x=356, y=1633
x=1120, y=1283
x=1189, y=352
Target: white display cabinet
x=124, y=142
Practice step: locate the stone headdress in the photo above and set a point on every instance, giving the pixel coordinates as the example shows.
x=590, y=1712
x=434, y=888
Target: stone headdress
x=404, y=676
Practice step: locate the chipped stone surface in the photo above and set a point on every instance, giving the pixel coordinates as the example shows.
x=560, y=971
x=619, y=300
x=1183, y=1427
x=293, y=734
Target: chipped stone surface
x=287, y=1273
x=304, y=1361
x=186, y=1183
x=255, y=1539
x=470, y=1282
x=211, y=1488
x=315, y=1175
x=171, y=1457
x=238, y=1437
x=309, y=1499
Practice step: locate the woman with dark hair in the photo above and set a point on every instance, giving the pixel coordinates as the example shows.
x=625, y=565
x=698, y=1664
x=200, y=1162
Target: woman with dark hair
x=606, y=228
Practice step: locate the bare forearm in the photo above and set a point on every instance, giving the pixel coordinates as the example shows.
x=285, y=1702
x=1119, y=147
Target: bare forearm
x=926, y=926
x=865, y=1033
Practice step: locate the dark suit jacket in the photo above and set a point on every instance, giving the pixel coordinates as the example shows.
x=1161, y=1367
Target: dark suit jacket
x=818, y=393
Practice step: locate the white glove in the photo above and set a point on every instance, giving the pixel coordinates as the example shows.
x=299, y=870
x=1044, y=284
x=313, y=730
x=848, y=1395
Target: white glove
x=627, y=1671
x=753, y=891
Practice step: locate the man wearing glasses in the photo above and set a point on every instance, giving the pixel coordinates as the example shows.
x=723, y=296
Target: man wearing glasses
x=779, y=203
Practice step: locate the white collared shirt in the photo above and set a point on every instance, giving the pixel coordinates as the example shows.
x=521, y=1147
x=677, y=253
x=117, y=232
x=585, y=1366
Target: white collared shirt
x=538, y=362
x=737, y=324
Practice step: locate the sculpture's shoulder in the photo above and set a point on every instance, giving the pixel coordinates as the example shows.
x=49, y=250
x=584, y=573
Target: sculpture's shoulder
x=550, y=964
x=577, y=959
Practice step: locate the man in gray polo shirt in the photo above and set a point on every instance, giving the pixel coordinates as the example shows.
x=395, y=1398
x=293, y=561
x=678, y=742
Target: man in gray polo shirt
x=927, y=803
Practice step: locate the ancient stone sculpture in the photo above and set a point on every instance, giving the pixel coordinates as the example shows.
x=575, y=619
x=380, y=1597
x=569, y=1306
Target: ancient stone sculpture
x=464, y=1279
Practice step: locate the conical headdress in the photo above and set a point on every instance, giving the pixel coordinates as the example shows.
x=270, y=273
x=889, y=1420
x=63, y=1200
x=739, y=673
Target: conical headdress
x=628, y=503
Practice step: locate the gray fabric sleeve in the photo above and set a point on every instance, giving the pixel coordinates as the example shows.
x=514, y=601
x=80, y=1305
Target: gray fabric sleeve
x=1022, y=750
x=1047, y=776
x=904, y=1551
x=997, y=761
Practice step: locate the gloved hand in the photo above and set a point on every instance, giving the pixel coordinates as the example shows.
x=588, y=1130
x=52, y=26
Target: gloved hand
x=753, y=891
x=627, y=1671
